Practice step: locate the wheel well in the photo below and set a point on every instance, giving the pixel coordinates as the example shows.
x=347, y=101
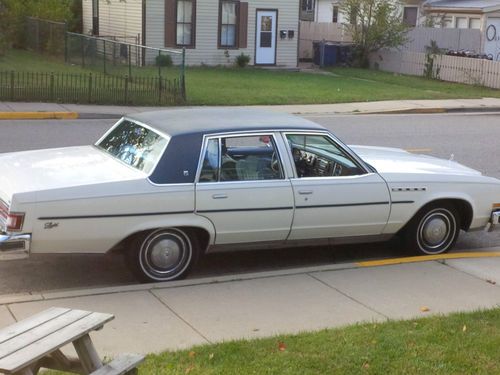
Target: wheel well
x=201, y=234
x=463, y=207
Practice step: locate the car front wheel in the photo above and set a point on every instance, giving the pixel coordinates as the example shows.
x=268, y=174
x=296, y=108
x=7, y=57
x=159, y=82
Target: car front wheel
x=162, y=255
x=434, y=230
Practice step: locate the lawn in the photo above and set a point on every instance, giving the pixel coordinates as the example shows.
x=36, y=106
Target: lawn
x=250, y=86
x=463, y=343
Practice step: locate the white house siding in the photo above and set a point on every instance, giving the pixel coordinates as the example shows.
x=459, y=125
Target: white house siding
x=116, y=18
x=324, y=11
x=207, y=16
x=87, y=16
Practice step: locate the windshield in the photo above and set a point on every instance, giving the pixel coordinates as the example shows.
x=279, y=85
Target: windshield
x=134, y=145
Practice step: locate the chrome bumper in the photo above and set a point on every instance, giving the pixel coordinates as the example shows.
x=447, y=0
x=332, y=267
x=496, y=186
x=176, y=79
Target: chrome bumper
x=14, y=246
x=494, y=221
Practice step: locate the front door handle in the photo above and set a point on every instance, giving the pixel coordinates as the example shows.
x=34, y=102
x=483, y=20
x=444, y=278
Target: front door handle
x=219, y=196
x=305, y=192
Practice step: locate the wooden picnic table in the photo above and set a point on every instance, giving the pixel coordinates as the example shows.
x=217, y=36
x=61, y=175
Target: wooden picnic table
x=35, y=343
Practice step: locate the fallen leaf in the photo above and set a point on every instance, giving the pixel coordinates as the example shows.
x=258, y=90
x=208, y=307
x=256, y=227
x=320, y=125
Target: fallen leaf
x=366, y=365
x=211, y=356
x=493, y=282
x=464, y=328
x=424, y=309
x=192, y=354
x=281, y=346
x=189, y=369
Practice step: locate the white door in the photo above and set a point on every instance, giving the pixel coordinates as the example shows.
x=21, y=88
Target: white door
x=492, y=42
x=334, y=195
x=265, y=39
x=242, y=190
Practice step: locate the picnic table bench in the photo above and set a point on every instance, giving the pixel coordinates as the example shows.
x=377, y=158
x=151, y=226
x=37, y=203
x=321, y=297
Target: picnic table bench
x=36, y=342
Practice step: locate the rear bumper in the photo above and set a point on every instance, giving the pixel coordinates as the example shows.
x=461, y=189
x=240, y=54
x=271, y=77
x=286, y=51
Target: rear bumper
x=494, y=223
x=14, y=246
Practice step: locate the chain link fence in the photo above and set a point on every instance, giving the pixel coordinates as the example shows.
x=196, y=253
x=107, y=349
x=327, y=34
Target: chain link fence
x=45, y=37
x=119, y=57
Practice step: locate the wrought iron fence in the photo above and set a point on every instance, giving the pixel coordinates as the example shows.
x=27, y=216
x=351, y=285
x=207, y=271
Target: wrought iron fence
x=90, y=88
x=45, y=36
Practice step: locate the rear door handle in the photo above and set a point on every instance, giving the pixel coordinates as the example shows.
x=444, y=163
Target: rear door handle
x=219, y=196
x=305, y=192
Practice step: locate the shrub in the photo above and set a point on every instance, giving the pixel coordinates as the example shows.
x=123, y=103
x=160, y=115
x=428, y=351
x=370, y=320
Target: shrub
x=164, y=60
x=242, y=60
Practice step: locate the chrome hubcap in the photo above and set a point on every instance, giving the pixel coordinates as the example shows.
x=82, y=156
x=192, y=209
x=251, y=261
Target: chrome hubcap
x=165, y=254
x=434, y=231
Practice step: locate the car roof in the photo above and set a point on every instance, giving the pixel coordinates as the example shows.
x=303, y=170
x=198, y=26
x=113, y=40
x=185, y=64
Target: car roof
x=184, y=121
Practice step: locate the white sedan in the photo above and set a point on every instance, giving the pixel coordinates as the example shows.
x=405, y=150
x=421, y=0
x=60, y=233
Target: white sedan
x=167, y=186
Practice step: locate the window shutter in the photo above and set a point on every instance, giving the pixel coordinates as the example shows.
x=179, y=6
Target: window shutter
x=170, y=23
x=243, y=25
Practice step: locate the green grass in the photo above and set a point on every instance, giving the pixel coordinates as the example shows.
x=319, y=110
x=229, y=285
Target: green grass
x=464, y=343
x=251, y=86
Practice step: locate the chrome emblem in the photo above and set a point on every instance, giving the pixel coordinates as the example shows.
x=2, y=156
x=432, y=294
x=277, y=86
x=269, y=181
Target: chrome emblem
x=50, y=225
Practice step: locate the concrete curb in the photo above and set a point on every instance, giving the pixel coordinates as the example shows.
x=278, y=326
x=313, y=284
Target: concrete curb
x=39, y=115
x=8, y=299
x=114, y=116
x=436, y=110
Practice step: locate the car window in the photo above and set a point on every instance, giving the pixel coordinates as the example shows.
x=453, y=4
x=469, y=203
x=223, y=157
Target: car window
x=245, y=158
x=319, y=156
x=210, y=166
x=134, y=145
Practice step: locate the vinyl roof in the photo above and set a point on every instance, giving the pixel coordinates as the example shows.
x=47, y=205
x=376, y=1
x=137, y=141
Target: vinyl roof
x=217, y=120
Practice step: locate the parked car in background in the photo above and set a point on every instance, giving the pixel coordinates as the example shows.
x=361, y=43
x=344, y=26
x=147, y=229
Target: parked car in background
x=167, y=186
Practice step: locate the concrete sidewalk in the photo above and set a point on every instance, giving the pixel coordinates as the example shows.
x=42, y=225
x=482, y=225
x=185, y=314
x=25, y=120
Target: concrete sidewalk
x=15, y=110
x=157, y=317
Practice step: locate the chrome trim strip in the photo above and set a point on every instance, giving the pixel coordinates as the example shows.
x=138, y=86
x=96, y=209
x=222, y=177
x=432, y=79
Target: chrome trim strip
x=345, y=205
x=114, y=215
x=246, y=209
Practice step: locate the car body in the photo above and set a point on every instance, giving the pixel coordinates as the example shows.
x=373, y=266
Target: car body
x=168, y=185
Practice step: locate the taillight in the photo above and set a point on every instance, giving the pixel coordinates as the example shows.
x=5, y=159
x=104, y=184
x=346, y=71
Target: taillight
x=14, y=222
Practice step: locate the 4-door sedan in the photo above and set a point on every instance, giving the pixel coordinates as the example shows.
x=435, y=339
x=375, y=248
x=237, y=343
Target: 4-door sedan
x=167, y=186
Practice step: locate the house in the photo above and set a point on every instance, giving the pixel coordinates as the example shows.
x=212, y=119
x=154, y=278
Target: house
x=213, y=32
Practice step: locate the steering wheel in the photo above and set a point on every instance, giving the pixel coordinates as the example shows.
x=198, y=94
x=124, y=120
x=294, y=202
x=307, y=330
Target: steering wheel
x=337, y=169
x=275, y=163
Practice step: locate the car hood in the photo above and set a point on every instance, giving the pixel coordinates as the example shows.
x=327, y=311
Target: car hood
x=30, y=171
x=394, y=160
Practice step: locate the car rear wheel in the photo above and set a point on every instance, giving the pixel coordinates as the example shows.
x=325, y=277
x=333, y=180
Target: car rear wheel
x=162, y=255
x=434, y=230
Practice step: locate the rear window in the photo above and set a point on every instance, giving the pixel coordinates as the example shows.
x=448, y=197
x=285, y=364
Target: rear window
x=134, y=145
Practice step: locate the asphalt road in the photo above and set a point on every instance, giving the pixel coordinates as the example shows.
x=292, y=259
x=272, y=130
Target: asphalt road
x=471, y=138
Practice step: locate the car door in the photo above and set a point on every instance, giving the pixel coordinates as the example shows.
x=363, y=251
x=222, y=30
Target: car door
x=242, y=189
x=335, y=194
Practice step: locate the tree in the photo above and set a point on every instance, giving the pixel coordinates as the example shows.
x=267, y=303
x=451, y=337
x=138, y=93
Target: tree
x=374, y=24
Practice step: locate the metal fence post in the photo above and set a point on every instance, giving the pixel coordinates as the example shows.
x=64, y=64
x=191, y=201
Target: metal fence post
x=183, y=74
x=66, y=43
x=126, y=89
x=12, y=73
x=129, y=61
x=158, y=62
x=104, y=56
x=83, y=52
x=51, y=92
x=90, y=88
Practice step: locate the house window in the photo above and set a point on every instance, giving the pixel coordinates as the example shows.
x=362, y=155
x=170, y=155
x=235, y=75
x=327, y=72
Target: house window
x=185, y=22
x=410, y=16
x=461, y=23
x=335, y=18
x=228, y=24
x=474, y=23
x=307, y=5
